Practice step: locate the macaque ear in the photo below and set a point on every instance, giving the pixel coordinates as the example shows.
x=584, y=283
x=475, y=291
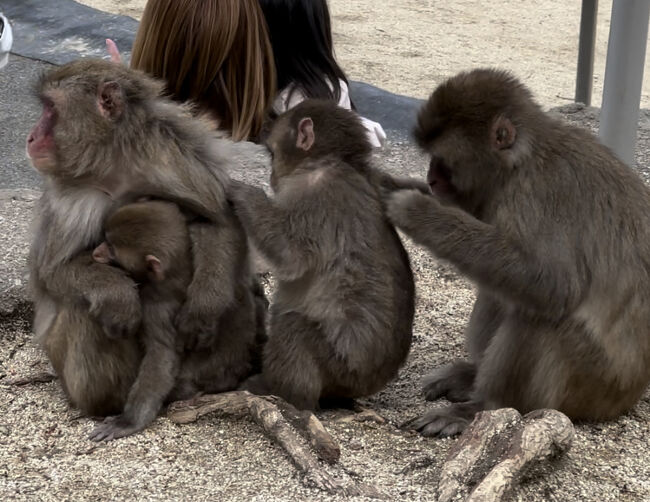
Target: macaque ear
x=503, y=134
x=154, y=267
x=110, y=100
x=102, y=253
x=306, y=136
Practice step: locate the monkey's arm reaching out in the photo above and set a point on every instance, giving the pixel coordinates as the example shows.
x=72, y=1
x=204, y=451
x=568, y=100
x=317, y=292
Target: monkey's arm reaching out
x=389, y=183
x=218, y=253
x=485, y=254
x=265, y=223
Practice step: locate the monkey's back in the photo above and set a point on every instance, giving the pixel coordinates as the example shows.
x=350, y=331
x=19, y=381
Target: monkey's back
x=593, y=216
x=361, y=275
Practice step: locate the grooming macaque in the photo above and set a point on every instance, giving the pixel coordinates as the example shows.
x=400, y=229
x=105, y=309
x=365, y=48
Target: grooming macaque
x=340, y=324
x=106, y=134
x=554, y=230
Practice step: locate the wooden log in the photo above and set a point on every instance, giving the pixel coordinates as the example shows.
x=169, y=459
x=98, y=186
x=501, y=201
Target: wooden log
x=278, y=419
x=489, y=458
x=40, y=377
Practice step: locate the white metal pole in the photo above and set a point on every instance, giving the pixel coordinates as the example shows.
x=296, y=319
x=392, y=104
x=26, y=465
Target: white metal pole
x=628, y=37
x=586, y=49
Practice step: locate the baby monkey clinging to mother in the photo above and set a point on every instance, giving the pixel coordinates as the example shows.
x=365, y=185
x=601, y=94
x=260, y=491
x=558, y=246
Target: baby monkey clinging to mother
x=151, y=241
x=341, y=319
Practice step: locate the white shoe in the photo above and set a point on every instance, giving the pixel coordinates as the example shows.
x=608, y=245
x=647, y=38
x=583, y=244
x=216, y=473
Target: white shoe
x=6, y=38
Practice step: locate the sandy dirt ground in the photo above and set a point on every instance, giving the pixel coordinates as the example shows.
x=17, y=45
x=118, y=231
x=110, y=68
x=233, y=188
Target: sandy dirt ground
x=44, y=450
x=45, y=454
x=410, y=46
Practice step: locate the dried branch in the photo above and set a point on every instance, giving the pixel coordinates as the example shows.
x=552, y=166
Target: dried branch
x=488, y=459
x=40, y=377
x=276, y=417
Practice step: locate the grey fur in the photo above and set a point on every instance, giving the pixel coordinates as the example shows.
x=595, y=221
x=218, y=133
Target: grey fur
x=555, y=232
x=341, y=317
x=167, y=238
x=154, y=148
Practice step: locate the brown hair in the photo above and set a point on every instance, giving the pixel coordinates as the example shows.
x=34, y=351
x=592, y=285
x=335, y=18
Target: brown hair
x=214, y=52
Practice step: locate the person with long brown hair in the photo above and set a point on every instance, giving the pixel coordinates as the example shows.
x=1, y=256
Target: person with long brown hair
x=215, y=53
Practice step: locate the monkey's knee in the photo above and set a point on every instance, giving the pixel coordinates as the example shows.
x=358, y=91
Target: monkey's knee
x=292, y=373
x=97, y=382
x=299, y=382
x=94, y=398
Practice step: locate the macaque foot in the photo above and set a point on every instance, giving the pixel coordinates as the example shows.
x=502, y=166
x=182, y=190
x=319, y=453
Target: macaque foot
x=453, y=381
x=256, y=385
x=445, y=422
x=113, y=428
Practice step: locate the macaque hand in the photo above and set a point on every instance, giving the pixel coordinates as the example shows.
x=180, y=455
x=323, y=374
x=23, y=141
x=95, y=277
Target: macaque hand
x=406, y=208
x=113, y=428
x=239, y=192
x=117, y=308
x=197, y=325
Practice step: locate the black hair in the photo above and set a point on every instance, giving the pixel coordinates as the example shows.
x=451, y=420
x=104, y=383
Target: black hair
x=301, y=37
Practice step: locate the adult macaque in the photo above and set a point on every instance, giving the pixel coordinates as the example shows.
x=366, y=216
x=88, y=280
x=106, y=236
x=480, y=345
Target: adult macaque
x=555, y=232
x=341, y=318
x=106, y=133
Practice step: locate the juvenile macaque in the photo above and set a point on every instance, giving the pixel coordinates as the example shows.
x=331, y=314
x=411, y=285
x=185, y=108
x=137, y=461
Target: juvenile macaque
x=555, y=231
x=106, y=133
x=341, y=317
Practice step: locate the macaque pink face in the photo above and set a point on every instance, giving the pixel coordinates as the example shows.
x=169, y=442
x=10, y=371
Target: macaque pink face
x=41, y=148
x=103, y=253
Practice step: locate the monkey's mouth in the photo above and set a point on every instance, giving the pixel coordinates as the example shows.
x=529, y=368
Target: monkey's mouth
x=439, y=180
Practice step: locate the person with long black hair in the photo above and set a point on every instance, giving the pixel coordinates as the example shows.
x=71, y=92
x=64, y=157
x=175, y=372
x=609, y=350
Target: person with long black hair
x=301, y=37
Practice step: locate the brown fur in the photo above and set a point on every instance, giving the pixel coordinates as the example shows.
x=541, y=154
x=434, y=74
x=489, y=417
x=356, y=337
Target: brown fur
x=150, y=240
x=107, y=134
x=341, y=318
x=554, y=230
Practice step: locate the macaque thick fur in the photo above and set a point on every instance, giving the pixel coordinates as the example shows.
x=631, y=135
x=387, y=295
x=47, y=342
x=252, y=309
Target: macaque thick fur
x=555, y=231
x=341, y=318
x=106, y=135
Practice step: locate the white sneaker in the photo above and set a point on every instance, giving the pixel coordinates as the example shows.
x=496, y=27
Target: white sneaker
x=6, y=38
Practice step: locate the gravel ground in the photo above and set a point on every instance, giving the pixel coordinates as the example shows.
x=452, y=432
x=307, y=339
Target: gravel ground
x=44, y=453
x=406, y=46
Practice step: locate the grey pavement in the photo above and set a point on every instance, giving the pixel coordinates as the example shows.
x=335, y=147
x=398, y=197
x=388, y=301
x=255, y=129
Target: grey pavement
x=44, y=453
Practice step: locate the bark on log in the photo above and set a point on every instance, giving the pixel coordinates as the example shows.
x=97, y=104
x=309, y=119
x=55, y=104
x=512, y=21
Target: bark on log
x=490, y=456
x=276, y=418
x=306, y=423
x=41, y=377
